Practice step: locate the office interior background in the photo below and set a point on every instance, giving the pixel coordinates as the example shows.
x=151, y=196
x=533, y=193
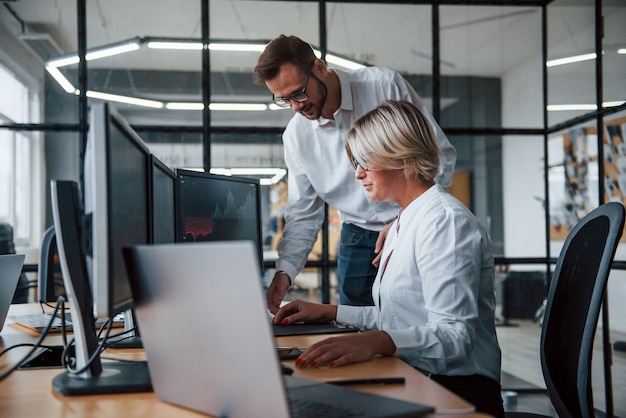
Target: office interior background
x=491, y=72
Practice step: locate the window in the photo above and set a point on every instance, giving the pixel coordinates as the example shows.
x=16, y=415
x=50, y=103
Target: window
x=16, y=170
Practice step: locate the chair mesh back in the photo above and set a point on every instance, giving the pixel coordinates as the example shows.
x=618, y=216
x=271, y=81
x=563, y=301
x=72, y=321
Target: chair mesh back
x=570, y=307
x=573, y=307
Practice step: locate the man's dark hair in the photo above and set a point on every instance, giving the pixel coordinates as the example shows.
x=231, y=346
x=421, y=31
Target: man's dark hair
x=281, y=50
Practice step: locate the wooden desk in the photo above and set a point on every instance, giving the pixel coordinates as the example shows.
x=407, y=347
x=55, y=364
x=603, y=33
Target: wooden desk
x=417, y=388
x=29, y=393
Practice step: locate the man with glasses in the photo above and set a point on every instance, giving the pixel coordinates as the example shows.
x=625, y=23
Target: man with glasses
x=327, y=101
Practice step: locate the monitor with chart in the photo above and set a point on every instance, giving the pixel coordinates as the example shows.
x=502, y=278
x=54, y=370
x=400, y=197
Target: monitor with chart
x=211, y=207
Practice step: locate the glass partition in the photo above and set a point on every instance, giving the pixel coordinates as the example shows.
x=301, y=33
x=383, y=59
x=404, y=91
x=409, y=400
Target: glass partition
x=614, y=58
x=490, y=83
x=571, y=60
x=407, y=48
x=490, y=60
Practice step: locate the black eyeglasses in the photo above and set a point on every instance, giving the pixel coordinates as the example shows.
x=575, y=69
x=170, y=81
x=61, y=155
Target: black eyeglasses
x=356, y=164
x=300, y=96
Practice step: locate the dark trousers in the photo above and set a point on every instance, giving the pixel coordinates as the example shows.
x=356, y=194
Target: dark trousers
x=355, y=273
x=482, y=392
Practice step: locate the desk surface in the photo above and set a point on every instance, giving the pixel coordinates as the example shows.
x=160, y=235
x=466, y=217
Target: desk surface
x=29, y=393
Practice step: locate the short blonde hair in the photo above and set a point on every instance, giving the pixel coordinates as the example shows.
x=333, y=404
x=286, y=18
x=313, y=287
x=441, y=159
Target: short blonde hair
x=395, y=135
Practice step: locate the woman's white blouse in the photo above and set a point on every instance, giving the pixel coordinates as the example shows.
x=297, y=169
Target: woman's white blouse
x=436, y=298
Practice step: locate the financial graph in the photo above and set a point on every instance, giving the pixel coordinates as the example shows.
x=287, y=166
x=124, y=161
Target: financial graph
x=217, y=208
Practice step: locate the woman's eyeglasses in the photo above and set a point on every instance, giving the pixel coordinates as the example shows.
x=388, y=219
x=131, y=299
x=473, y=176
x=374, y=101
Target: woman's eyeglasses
x=356, y=164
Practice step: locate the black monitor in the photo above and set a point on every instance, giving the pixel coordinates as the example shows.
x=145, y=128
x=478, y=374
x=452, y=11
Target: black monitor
x=211, y=207
x=117, y=180
x=116, y=215
x=162, y=202
x=89, y=375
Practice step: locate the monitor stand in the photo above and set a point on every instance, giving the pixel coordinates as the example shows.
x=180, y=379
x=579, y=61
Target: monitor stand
x=130, y=337
x=90, y=375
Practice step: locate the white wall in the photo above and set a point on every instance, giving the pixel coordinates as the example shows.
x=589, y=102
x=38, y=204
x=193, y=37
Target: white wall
x=522, y=163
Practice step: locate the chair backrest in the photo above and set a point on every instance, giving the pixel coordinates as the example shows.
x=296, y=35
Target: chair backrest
x=7, y=246
x=50, y=277
x=572, y=309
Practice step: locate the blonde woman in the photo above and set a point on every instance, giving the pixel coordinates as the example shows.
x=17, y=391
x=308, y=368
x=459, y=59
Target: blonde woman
x=434, y=294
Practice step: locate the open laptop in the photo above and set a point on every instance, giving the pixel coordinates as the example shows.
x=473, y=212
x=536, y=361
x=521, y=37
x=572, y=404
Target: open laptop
x=209, y=343
x=10, y=270
x=39, y=321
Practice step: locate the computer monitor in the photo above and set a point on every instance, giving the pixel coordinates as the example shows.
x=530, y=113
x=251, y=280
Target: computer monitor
x=162, y=202
x=117, y=181
x=211, y=207
x=88, y=375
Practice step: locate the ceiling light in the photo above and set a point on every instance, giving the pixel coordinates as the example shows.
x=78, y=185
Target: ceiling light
x=174, y=45
x=613, y=104
x=557, y=108
x=184, y=106
x=97, y=53
x=621, y=51
x=274, y=106
x=53, y=65
x=246, y=107
x=124, y=99
x=238, y=106
x=570, y=60
x=63, y=61
x=112, y=50
x=60, y=78
x=269, y=175
x=346, y=63
x=213, y=46
x=236, y=47
x=342, y=62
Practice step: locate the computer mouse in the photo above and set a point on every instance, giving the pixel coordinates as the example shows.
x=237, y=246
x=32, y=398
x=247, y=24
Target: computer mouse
x=286, y=370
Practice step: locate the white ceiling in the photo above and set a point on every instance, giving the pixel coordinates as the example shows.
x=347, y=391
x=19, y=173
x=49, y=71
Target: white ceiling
x=483, y=41
x=476, y=40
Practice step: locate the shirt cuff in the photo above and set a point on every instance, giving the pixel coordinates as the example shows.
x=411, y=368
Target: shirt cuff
x=290, y=270
x=348, y=315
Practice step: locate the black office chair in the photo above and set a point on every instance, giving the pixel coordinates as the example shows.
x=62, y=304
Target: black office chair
x=7, y=246
x=50, y=278
x=572, y=309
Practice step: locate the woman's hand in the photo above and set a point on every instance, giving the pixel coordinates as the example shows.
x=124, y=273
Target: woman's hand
x=301, y=311
x=347, y=349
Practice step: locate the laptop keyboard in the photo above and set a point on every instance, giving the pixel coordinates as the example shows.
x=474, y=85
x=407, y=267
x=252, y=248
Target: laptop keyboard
x=305, y=408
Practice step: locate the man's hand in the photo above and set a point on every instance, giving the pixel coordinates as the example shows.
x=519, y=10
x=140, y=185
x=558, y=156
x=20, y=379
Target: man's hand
x=301, y=311
x=277, y=291
x=379, y=245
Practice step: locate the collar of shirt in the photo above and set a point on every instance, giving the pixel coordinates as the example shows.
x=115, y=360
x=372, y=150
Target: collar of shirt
x=346, y=100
